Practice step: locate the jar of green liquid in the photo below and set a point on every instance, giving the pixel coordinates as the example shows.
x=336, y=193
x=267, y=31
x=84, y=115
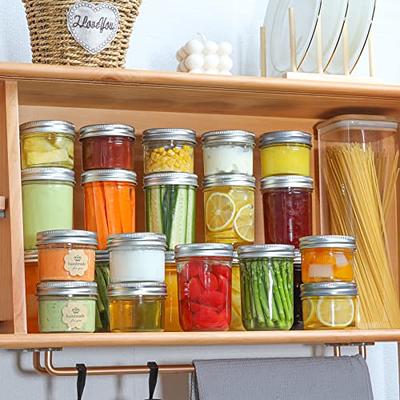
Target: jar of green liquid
x=47, y=201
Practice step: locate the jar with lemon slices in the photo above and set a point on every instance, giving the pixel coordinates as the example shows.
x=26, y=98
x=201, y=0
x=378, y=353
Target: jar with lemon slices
x=229, y=208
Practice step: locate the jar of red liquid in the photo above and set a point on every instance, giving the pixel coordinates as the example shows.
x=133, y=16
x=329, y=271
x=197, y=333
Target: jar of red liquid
x=204, y=286
x=107, y=146
x=287, y=207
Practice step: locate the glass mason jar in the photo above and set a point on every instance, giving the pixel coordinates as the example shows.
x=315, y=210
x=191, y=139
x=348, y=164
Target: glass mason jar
x=66, y=255
x=285, y=153
x=31, y=281
x=330, y=305
x=327, y=258
x=169, y=150
x=298, y=311
x=228, y=152
x=266, y=275
x=229, y=208
x=47, y=201
x=287, y=204
x=171, y=206
x=68, y=306
x=47, y=144
x=110, y=202
x=171, y=302
x=107, y=146
x=137, y=257
x=236, y=320
x=137, y=306
x=204, y=286
x=102, y=277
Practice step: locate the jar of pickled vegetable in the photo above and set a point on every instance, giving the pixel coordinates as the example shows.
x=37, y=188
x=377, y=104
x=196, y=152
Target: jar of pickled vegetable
x=229, y=208
x=287, y=204
x=298, y=311
x=330, y=305
x=109, y=202
x=171, y=302
x=204, y=286
x=228, y=152
x=327, y=258
x=47, y=201
x=31, y=281
x=107, y=146
x=169, y=150
x=137, y=306
x=236, y=320
x=67, y=306
x=102, y=277
x=171, y=206
x=266, y=275
x=47, y=144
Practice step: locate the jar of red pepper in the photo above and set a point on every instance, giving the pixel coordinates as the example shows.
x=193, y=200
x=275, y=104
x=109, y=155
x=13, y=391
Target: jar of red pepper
x=287, y=201
x=107, y=146
x=204, y=286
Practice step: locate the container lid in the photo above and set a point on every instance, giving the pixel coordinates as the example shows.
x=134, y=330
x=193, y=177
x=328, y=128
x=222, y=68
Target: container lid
x=109, y=175
x=266, y=250
x=235, y=259
x=66, y=236
x=297, y=259
x=170, y=178
x=66, y=288
x=310, y=242
x=229, y=137
x=229, y=180
x=156, y=134
x=297, y=137
x=169, y=257
x=287, y=181
x=106, y=130
x=203, y=250
x=65, y=127
x=48, y=174
x=329, y=289
x=149, y=288
x=102, y=256
x=31, y=256
x=138, y=239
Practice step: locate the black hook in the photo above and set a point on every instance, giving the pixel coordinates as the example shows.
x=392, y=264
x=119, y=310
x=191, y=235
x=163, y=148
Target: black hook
x=152, y=365
x=80, y=383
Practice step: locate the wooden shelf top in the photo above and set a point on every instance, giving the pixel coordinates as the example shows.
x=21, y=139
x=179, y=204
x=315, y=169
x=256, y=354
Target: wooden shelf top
x=83, y=87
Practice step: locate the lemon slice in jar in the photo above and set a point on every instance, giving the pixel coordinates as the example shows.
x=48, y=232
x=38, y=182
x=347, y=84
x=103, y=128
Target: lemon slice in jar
x=244, y=223
x=220, y=211
x=335, y=313
x=308, y=311
x=239, y=197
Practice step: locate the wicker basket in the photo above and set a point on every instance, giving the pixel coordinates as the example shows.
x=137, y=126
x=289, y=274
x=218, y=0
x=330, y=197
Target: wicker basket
x=52, y=43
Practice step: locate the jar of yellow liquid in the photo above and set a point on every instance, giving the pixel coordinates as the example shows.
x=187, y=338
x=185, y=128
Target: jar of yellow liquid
x=285, y=153
x=236, y=320
x=171, y=302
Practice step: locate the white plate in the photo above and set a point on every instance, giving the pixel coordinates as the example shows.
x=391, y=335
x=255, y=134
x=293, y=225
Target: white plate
x=359, y=20
x=333, y=15
x=277, y=30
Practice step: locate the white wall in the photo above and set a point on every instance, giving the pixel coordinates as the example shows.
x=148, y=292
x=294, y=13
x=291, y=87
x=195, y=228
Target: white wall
x=162, y=27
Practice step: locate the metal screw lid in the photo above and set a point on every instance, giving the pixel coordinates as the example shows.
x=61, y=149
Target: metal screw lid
x=286, y=181
x=170, y=178
x=149, y=288
x=169, y=257
x=69, y=236
x=229, y=180
x=310, y=242
x=102, y=256
x=48, y=126
x=109, y=175
x=137, y=240
x=228, y=137
x=187, y=136
x=67, y=288
x=48, y=174
x=276, y=137
x=107, y=130
x=266, y=250
x=203, y=250
x=328, y=289
x=31, y=256
x=297, y=259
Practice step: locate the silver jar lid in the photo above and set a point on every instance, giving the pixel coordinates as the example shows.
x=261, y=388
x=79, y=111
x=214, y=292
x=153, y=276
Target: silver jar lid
x=229, y=180
x=186, y=136
x=69, y=236
x=109, y=175
x=48, y=174
x=229, y=137
x=276, y=137
x=266, y=250
x=297, y=259
x=46, y=126
x=287, y=181
x=127, y=289
x=203, y=250
x=107, y=130
x=328, y=289
x=235, y=259
x=137, y=240
x=31, y=256
x=67, y=288
x=169, y=257
x=102, y=256
x=345, y=242
x=170, y=178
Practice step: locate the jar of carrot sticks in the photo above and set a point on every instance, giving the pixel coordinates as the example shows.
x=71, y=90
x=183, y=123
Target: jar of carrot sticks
x=327, y=258
x=66, y=255
x=109, y=202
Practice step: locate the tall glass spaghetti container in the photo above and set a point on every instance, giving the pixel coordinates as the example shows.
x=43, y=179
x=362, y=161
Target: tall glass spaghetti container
x=358, y=162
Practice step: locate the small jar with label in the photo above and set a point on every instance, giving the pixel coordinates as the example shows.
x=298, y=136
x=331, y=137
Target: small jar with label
x=137, y=257
x=67, y=306
x=102, y=275
x=137, y=306
x=66, y=255
x=298, y=311
x=236, y=321
x=327, y=258
x=171, y=302
x=169, y=150
x=31, y=281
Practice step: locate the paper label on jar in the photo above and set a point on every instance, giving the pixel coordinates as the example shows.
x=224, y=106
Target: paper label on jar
x=76, y=262
x=320, y=271
x=74, y=315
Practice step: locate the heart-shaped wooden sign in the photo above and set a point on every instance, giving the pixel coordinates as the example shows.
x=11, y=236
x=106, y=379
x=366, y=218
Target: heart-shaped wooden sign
x=93, y=26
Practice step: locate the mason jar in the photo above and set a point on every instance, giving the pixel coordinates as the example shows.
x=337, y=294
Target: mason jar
x=298, y=311
x=31, y=281
x=236, y=320
x=171, y=302
x=102, y=277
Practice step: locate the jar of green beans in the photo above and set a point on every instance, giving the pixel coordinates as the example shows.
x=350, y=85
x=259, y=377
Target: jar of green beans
x=102, y=273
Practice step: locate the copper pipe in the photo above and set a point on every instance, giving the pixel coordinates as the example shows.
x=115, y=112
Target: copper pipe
x=362, y=350
x=337, y=351
x=37, y=364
